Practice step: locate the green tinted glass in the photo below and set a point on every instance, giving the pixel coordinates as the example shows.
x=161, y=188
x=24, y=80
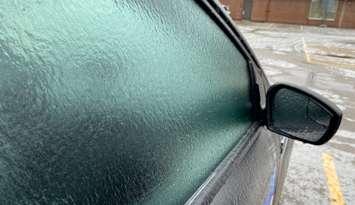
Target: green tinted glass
x=115, y=102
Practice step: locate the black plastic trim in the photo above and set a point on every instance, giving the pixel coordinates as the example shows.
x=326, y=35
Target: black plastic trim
x=254, y=93
x=328, y=105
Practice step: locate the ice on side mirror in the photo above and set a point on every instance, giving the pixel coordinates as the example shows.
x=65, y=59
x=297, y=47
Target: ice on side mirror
x=301, y=114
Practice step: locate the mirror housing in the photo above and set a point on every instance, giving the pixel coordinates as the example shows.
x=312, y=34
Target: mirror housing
x=301, y=114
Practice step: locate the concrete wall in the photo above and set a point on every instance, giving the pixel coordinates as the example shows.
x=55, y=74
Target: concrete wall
x=259, y=10
x=288, y=11
x=292, y=11
x=347, y=17
x=235, y=7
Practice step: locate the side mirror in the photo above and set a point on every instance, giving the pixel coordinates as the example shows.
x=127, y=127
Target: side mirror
x=301, y=114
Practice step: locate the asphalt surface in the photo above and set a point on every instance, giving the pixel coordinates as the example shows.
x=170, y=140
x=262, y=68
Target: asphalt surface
x=323, y=59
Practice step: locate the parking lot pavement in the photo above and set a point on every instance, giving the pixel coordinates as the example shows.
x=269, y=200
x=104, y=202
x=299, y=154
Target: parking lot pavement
x=323, y=59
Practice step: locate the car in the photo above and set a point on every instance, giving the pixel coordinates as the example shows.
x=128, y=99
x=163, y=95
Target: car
x=143, y=102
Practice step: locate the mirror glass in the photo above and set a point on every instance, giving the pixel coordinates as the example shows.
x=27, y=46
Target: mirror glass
x=298, y=115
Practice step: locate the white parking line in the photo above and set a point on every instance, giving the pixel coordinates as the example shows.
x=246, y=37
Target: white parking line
x=308, y=59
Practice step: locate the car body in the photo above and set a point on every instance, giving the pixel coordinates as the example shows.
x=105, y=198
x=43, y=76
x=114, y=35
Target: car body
x=135, y=102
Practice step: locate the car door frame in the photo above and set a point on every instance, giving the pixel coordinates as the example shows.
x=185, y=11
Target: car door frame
x=259, y=85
